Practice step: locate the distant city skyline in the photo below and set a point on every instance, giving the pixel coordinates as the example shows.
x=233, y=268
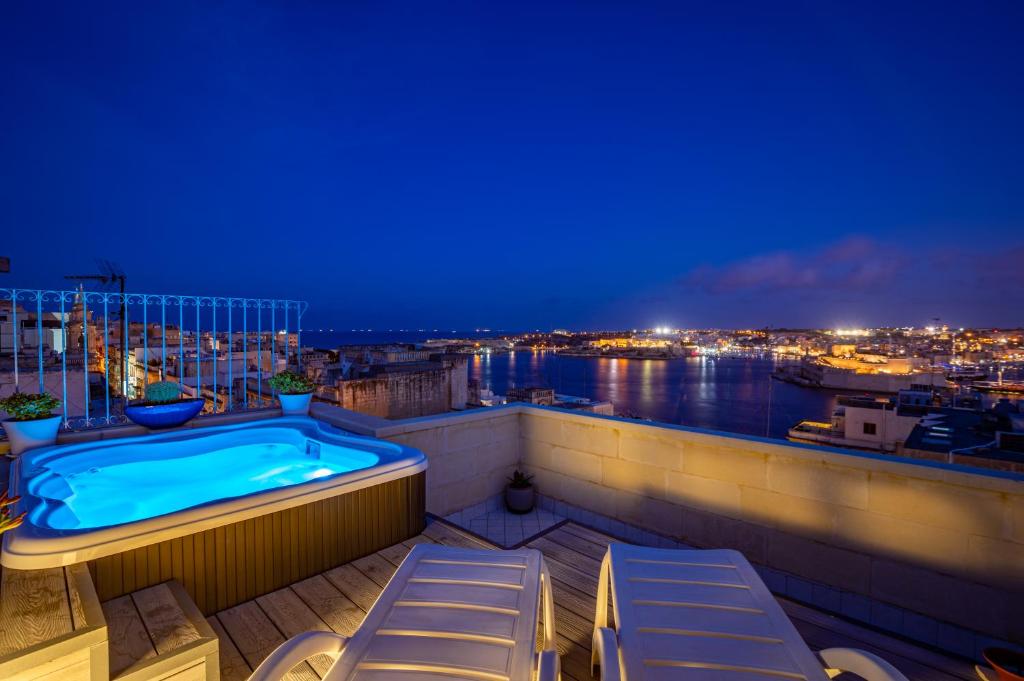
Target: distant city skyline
x=526, y=166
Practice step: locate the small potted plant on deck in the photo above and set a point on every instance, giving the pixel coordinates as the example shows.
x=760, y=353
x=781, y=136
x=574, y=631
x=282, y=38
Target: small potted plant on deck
x=31, y=423
x=294, y=391
x=7, y=522
x=519, y=493
x=164, y=407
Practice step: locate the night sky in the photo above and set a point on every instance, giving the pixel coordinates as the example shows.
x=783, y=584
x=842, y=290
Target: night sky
x=525, y=165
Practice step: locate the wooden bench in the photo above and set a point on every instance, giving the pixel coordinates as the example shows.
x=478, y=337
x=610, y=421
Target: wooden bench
x=51, y=626
x=158, y=634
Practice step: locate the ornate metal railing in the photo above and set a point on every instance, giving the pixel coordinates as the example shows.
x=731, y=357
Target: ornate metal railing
x=96, y=351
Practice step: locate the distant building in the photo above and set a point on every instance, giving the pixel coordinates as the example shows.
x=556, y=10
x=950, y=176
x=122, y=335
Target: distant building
x=532, y=395
x=404, y=389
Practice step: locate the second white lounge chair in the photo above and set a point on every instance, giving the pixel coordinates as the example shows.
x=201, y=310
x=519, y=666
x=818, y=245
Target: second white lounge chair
x=691, y=614
x=446, y=614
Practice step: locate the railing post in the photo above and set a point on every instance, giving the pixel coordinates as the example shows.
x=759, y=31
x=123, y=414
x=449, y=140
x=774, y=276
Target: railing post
x=245, y=354
x=163, y=338
x=39, y=338
x=106, y=357
x=14, y=334
x=213, y=338
x=231, y=348
x=85, y=352
x=64, y=360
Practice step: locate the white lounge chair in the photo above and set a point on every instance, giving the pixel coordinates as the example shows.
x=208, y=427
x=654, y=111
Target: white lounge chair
x=446, y=614
x=690, y=614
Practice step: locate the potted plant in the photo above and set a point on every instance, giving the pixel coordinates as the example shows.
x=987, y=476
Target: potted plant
x=519, y=493
x=31, y=423
x=294, y=391
x=6, y=521
x=164, y=407
x=1009, y=664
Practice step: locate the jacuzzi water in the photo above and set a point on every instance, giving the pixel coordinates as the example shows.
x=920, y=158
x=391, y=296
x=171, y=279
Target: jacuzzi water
x=121, y=483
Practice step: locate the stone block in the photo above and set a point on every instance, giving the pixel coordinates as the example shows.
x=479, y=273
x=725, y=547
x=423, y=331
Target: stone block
x=826, y=598
x=797, y=515
x=635, y=478
x=427, y=441
x=587, y=495
x=886, y=617
x=536, y=454
x=541, y=427
x=799, y=589
x=595, y=438
x=915, y=588
x=940, y=504
x=651, y=451
x=900, y=539
x=820, y=481
x=997, y=561
x=576, y=464
x=818, y=561
x=956, y=639
x=706, y=494
x=709, y=530
x=727, y=464
x=855, y=606
x=921, y=628
x=467, y=434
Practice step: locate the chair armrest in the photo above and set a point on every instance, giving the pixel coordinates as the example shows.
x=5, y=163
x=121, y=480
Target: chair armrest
x=605, y=652
x=862, y=663
x=295, y=650
x=548, y=667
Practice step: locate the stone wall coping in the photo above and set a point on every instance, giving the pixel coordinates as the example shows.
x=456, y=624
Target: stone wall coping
x=954, y=474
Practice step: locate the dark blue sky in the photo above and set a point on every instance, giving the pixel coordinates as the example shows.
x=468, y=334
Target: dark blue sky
x=523, y=165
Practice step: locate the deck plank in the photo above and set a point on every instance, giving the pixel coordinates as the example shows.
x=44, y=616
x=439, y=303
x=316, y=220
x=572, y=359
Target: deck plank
x=292, y=617
x=256, y=637
x=443, y=533
x=599, y=538
x=128, y=640
x=233, y=666
x=168, y=626
x=377, y=568
x=356, y=586
x=333, y=607
x=577, y=543
x=34, y=608
x=822, y=630
x=395, y=554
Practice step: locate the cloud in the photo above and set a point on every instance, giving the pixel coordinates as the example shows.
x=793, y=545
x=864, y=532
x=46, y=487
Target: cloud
x=854, y=263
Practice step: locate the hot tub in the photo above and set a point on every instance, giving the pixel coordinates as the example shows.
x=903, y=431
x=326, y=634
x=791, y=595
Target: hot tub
x=230, y=511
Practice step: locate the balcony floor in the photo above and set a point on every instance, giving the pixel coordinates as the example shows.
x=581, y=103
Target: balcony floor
x=338, y=599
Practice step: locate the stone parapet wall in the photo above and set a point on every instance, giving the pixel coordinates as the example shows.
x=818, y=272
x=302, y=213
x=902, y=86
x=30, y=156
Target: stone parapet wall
x=939, y=540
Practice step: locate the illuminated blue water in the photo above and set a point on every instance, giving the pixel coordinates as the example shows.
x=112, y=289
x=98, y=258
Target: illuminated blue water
x=106, y=493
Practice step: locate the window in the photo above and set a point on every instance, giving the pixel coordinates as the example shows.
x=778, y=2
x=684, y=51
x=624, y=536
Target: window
x=870, y=429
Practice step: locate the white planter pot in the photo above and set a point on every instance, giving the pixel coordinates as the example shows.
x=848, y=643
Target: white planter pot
x=295, y=405
x=31, y=434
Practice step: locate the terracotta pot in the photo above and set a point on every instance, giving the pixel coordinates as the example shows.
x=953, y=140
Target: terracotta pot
x=1009, y=664
x=295, y=405
x=520, y=499
x=25, y=435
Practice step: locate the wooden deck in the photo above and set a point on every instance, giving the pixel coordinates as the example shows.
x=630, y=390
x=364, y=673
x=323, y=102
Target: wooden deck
x=338, y=599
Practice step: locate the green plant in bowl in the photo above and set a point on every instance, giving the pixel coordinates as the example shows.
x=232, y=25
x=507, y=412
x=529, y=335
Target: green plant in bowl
x=163, y=392
x=29, y=406
x=291, y=383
